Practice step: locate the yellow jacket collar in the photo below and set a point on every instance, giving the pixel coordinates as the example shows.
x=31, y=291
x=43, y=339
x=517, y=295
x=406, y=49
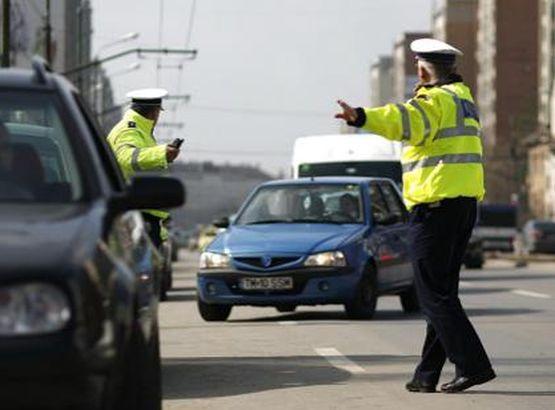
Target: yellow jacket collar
x=144, y=124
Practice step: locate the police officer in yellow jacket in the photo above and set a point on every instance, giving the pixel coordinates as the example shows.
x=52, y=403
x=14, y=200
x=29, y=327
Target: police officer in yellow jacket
x=443, y=179
x=132, y=140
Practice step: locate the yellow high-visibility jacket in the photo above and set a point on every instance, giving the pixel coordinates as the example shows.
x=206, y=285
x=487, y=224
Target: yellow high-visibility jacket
x=441, y=136
x=136, y=149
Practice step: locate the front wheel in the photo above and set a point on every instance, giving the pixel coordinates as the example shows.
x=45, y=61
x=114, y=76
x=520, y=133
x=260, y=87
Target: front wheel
x=363, y=306
x=213, y=313
x=409, y=300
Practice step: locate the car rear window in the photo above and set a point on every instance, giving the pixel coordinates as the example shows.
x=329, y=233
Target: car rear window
x=37, y=163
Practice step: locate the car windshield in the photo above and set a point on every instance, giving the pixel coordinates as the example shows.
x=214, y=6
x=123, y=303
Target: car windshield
x=318, y=203
x=37, y=163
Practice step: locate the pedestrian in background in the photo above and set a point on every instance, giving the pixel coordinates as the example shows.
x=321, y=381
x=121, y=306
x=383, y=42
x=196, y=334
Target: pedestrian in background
x=132, y=140
x=443, y=179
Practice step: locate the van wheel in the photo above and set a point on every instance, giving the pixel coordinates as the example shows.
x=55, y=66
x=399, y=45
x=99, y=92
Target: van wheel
x=409, y=300
x=213, y=313
x=363, y=306
x=286, y=308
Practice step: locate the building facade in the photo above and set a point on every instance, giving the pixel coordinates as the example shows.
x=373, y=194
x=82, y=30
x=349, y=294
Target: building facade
x=405, y=76
x=541, y=158
x=456, y=22
x=70, y=43
x=381, y=81
x=507, y=83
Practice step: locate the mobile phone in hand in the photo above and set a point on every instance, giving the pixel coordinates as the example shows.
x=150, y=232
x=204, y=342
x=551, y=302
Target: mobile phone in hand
x=176, y=143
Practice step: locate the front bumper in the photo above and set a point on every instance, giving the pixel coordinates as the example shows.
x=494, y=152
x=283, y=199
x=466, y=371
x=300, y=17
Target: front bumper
x=318, y=286
x=47, y=370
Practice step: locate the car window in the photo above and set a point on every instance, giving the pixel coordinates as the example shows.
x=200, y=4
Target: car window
x=393, y=201
x=378, y=206
x=307, y=203
x=37, y=162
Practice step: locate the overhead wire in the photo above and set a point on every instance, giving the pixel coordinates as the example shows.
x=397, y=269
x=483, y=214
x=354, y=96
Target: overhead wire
x=160, y=34
x=179, y=77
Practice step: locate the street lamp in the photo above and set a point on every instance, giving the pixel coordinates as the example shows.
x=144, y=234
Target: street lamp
x=129, y=68
x=122, y=39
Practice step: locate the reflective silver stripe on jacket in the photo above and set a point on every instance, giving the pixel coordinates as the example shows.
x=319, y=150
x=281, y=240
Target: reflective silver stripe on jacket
x=442, y=159
x=405, y=121
x=122, y=146
x=135, y=160
x=460, y=130
x=425, y=119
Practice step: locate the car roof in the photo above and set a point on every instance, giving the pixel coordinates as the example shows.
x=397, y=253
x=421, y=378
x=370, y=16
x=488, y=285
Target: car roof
x=39, y=77
x=325, y=180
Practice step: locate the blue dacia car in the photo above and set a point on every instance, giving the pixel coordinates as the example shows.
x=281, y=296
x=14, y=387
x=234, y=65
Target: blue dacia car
x=313, y=241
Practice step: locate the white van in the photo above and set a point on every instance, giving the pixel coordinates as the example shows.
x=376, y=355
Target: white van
x=347, y=154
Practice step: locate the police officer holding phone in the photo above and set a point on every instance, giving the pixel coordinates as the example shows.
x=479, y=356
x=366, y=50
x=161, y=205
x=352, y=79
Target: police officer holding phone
x=443, y=179
x=132, y=140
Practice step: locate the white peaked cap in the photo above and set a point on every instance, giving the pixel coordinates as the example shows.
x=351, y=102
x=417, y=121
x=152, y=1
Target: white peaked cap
x=433, y=46
x=148, y=95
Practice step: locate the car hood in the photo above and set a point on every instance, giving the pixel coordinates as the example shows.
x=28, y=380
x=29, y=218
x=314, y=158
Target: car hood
x=41, y=236
x=284, y=238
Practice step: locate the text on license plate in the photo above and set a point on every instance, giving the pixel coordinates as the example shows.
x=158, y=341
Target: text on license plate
x=280, y=283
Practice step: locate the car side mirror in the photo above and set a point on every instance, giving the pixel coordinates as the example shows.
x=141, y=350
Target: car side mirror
x=151, y=191
x=222, y=222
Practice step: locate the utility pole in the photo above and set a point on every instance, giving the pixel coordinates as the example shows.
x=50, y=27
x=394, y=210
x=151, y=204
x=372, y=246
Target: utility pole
x=48, y=34
x=6, y=33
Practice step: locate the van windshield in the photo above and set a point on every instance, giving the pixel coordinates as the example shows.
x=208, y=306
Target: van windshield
x=382, y=169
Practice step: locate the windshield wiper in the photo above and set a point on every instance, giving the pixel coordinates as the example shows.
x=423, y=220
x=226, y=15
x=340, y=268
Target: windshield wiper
x=267, y=221
x=313, y=221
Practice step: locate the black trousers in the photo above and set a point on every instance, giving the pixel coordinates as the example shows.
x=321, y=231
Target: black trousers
x=438, y=237
x=153, y=228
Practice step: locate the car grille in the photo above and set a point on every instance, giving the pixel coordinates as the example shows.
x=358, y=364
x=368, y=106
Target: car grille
x=260, y=263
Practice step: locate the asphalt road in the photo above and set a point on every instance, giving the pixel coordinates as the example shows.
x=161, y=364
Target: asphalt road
x=315, y=358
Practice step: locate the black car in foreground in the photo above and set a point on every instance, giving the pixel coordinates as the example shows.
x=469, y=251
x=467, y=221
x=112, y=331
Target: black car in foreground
x=78, y=275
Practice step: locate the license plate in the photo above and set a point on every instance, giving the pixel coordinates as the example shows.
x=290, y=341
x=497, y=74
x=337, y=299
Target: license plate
x=279, y=283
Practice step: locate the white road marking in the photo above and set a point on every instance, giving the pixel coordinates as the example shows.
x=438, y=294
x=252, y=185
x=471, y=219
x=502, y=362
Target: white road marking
x=288, y=322
x=336, y=359
x=465, y=284
x=531, y=294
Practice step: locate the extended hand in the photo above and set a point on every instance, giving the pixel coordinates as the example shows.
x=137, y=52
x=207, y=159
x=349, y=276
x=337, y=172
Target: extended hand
x=171, y=153
x=349, y=114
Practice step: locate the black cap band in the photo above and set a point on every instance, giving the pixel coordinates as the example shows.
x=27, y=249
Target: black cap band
x=154, y=101
x=437, y=58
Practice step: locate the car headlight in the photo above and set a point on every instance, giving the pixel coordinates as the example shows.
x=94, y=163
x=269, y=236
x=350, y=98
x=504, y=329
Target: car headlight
x=326, y=259
x=211, y=260
x=32, y=308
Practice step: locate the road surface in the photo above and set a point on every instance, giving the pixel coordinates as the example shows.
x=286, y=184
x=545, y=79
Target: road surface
x=315, y=358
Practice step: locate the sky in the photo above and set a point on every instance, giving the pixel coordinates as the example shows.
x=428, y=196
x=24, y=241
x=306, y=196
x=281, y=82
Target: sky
x=266, y=73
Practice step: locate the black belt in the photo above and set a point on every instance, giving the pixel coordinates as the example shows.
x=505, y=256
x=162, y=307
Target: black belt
x=445, y=202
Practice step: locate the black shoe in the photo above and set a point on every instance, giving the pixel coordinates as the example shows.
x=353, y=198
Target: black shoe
x=461, y=383
x=417, y=386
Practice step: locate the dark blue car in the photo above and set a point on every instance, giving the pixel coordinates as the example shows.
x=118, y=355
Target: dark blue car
x=340, y=240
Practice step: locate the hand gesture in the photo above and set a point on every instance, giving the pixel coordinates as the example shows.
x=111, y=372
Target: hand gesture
x=349, y=114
